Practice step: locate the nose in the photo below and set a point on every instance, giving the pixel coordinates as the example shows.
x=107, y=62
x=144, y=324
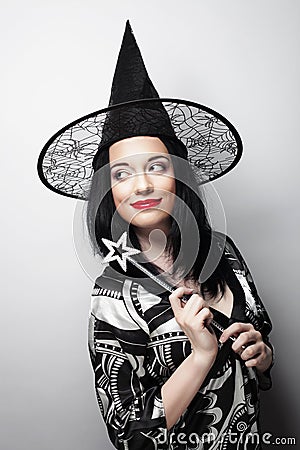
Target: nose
x=143, y=184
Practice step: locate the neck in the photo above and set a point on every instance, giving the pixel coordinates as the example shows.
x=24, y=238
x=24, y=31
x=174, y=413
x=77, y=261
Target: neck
x=151, y=236
x=153, y=240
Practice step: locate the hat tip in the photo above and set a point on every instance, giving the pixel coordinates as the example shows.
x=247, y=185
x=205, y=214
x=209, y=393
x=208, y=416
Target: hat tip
x=128, y=26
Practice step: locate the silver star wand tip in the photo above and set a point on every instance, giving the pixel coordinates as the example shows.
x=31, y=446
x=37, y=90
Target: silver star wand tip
x=113, y=255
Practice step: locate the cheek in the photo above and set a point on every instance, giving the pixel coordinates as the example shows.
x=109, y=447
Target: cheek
x=164, y=182
x=121, y=192
x=168, y=187
x=172, y=189
x=172, y=185
x=168, y=184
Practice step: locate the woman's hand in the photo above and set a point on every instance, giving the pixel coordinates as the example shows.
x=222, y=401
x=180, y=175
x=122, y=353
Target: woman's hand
x=194, y=319
x=249, y=345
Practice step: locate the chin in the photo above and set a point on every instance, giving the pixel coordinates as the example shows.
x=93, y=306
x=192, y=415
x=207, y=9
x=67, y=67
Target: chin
x=149, y=218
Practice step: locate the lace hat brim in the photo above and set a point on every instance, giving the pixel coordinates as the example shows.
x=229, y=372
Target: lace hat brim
x=214, y=146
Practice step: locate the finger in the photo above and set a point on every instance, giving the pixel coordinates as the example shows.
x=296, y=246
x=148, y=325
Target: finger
x=194, y=304
x=180, y=291
x=208, y=323
x=186, y=298
x=234, y=330
x=245, y=339
x=204, y=316
x=210, y=329
x=209, y=320
x=252, y=352
x=254, y=361
x=175, y=296
x=260, y=358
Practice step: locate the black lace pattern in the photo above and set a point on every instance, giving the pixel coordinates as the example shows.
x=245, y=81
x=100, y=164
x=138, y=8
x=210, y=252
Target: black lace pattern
x=214, y=146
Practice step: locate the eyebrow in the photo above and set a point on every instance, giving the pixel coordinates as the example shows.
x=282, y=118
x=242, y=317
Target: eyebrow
x=150, y=159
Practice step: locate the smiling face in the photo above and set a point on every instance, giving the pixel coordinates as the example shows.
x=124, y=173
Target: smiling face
x=143, y=183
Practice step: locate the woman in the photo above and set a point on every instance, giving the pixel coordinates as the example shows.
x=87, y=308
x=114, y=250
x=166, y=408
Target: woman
x=165, y=377
x=152, y=389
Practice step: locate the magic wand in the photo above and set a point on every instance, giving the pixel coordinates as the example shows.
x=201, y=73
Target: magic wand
x=126, y=255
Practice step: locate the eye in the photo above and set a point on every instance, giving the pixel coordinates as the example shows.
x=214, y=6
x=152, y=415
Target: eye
x=118, y=175
x=157, y=167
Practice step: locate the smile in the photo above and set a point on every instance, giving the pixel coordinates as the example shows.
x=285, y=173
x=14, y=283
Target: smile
x=149, y=203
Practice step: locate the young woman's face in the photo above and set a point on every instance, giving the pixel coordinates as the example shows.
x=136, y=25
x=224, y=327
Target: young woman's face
x=142, y=180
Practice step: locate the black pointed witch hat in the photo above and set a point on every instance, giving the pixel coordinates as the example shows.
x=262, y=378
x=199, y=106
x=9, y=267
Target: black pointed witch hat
x=67, y=162
x=131, y=82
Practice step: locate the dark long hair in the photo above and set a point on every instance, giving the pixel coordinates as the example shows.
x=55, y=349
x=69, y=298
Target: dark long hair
x=103, y=221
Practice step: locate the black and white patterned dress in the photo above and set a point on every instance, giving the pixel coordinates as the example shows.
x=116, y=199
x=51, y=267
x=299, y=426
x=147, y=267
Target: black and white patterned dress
x=135, y=345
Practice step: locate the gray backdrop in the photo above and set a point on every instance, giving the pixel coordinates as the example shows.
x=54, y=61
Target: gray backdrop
x=58, y=58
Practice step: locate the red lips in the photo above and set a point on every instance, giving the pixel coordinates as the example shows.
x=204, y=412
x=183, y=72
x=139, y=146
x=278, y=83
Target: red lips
x=149, y=203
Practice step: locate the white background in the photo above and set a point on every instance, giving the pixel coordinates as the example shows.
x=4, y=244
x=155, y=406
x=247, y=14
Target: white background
x=238, y=57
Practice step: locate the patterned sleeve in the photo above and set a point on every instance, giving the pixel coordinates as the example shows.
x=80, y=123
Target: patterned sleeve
x=262, y=319
x=130, y=402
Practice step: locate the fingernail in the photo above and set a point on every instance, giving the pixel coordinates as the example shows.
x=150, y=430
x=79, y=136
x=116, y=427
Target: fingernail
x=221, y=339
